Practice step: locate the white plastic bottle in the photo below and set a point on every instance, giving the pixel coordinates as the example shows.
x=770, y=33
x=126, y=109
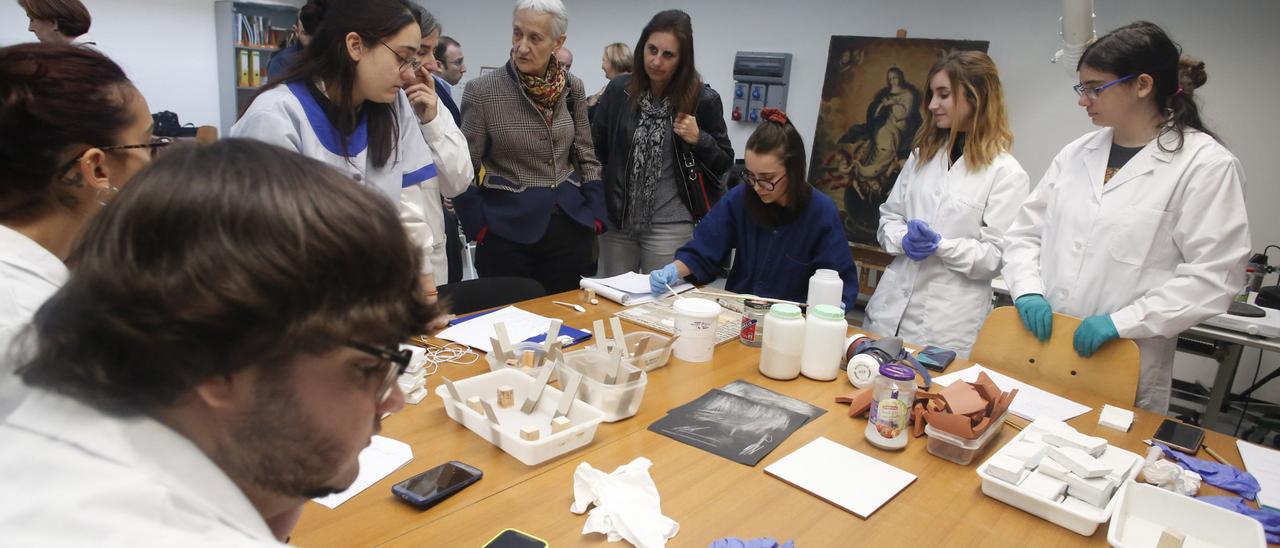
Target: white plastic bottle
x=783, y=334
x=826, y=287
x=824, y=331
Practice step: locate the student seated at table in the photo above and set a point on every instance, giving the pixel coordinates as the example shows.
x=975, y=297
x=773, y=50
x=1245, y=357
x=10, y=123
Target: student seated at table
x=211, y=363
x=782, y=230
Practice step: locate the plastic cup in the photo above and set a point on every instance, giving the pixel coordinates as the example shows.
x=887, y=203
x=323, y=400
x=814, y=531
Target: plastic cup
x=696, y=322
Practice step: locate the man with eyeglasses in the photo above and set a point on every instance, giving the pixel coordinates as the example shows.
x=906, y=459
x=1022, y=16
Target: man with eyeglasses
x=211, y=364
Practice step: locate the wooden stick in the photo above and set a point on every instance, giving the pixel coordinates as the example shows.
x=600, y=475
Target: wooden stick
x=501, y=329
x=598, y=328
x=619, y=338
x=1214, y=454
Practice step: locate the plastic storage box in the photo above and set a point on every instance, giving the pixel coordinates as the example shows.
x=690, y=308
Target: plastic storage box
x=616, y=401
x=1144, y=511
x=517, y=350
x=959, y=450
x=656, y=354
x=1083, y=521
x=506, y=435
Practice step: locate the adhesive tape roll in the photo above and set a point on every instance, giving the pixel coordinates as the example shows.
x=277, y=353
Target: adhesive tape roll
x=863, y=369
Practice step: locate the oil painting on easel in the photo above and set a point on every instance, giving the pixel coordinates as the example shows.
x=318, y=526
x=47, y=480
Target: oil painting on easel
x=872, y=105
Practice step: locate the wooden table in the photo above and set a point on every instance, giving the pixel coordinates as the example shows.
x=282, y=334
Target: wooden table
x=709, y=496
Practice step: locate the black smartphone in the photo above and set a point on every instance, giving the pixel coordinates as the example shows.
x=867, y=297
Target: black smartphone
x=511, y=538
x=1180, y=436
x=429, y=488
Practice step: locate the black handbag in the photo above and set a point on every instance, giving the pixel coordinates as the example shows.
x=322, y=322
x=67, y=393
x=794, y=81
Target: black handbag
x=702, y=187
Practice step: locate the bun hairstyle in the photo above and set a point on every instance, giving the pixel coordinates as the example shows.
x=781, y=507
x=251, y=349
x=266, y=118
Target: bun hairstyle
x=53, y=98
x=1143, y=47
x=778, y=136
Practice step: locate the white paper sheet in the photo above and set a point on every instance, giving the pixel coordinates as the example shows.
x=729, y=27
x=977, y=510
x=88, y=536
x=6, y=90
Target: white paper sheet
x=382, y=457
x=521, y=325
x=845, y=477
x=1264, y=464
x=628, y=289
x=1031, y=403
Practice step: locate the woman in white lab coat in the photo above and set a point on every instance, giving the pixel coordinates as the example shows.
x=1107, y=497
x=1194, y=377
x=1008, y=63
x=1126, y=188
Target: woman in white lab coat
x=1139, y=227
x=948, y=211
x=73, y=131
x=343, y=103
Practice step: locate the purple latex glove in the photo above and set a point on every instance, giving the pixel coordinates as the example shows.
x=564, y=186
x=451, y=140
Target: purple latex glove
x=1270, y=519
x=762, y=542
x=1217, y=474
x=920, y=241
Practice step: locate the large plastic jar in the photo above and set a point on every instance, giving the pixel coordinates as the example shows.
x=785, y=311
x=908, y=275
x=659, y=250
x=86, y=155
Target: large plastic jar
x=824, y=331
x=892, y=394
x=826, y=287
x=783, y=333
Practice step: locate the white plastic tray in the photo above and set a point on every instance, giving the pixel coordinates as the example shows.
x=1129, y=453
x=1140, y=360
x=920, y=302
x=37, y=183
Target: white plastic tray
x=1144, y=511
x=506, y=435
x=616, y=401
x=1084, y=521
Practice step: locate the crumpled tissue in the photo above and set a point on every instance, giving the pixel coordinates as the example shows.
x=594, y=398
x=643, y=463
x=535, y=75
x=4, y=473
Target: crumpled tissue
x=1168, y=475
x=1217, y=474
x=627, y=504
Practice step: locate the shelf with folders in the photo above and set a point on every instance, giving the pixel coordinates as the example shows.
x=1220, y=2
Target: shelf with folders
x=249, y=34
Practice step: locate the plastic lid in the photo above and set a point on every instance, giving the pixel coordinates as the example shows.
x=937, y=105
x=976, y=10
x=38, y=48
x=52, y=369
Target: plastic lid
x=697, y=307
x=897, y=372
x=827, y=312
x=785, y=311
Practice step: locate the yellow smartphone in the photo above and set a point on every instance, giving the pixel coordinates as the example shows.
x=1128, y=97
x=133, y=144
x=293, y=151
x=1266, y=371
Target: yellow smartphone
x=513, y=538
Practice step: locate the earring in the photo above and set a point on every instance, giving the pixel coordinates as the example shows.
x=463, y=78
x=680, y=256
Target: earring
x=110, y=190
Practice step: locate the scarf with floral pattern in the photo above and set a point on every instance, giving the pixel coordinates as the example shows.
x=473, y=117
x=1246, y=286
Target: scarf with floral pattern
x=545, y=90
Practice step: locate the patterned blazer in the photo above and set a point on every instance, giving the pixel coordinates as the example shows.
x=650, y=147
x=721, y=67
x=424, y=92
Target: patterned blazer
x=531, y=166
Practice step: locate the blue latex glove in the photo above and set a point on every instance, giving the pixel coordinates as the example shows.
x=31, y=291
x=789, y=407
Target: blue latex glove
x=762, y=542
x=659, y=279
x=920, y=241
x=1217, y=474
x=1270, y=519
x=1037, y=315
x=1093, y=331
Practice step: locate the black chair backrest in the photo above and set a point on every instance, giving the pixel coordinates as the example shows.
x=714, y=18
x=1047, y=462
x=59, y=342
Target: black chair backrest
x=482, y=293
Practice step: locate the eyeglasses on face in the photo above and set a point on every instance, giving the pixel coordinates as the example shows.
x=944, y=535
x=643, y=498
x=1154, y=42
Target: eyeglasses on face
x=395, y=361
x=404, y=61
x=763, y=184
x=1092, y=92
x=153, y=148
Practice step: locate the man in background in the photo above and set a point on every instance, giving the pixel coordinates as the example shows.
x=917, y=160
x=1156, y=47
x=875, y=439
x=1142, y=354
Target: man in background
x=565, y=57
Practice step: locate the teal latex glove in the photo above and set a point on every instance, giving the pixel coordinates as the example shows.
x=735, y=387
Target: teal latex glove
x=1037, y=315
x=1092, y=333
x=660, y=278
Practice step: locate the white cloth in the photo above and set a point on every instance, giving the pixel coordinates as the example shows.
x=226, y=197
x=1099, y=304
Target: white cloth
x=454, y=174
x=289, y=116
x=1160, y=248
x=74, y=476
x=944, y=299
x=627, y=505
x=29, y=275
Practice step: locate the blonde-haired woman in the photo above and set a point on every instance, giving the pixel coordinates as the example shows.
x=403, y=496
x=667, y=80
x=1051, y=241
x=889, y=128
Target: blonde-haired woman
x=946, y=216
x=616, y=62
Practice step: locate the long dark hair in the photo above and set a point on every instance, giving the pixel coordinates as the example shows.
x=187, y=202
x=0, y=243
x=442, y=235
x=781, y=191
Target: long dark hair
x=53, y=98
x=326, y=59
x=686, y=83
x=270, y=251
x=1143, y=47
x=777, y=135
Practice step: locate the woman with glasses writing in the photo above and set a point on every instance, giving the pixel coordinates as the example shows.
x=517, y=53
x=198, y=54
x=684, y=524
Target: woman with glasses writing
x=540, y=203
x=343, y=103
x=73, y=131
x=782, y=230
x=1139, y=227
x=946, y=216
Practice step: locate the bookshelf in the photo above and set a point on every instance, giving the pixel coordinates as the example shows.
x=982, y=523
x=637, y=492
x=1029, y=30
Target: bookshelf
x=248, y=35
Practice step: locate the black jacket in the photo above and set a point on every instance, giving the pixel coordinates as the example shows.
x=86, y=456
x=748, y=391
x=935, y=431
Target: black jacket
x=611, y=130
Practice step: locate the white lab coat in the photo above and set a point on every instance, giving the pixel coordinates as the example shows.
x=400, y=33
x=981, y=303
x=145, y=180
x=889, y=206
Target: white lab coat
x=422, y=211
x=1159, y=248
x=288, y=116
x=944, y=299
x=74, y=476
x=29, y=275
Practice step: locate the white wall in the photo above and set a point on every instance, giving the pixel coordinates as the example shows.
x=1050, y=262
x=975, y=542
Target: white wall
x=1235, y=39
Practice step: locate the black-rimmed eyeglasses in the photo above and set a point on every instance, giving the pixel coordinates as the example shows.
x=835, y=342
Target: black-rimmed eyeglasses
x=410, y=61
x=386, y=358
